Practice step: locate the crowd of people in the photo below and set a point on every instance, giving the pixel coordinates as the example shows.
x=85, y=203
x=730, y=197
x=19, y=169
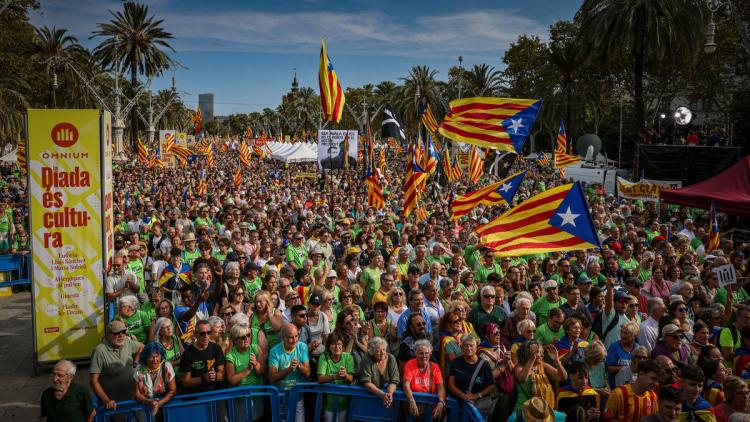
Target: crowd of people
x=287, y=279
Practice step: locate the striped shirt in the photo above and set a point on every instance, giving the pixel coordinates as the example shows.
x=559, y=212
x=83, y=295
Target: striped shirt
x=625, y=406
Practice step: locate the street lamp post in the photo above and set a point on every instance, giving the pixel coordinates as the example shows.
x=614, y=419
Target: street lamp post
x=662, y=116
x=460, y=74
x=714, y=6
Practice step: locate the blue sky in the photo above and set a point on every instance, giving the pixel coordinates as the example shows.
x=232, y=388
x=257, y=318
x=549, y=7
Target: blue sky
x=244, y=51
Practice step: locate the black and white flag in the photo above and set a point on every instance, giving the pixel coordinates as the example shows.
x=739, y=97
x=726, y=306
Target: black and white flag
x=391, y=126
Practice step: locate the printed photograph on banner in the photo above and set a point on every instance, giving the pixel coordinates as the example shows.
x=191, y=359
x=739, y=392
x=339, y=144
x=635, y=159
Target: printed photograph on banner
x=331, y=149
x=727, y=275
x=167, y=139
x=66, y=228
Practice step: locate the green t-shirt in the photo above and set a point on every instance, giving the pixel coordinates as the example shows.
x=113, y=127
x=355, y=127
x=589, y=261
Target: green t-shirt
x=370, y=277
x=628, y=265
x=546, y=336
x=472, y=256
x=137, y=267
x=327, y=366
x=483, y=272
x=149, y=309
x=241, y=362
x=296, y=255
x=138, y=325
x=738, y=296
x=542, y=306
x=190, y=257
x=200, y=221
x=253, y=286
x=441, y=259
x=220, y=256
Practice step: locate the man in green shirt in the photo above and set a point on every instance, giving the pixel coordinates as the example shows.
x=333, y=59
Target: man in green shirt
x=544, y=304
x=627, y=261
x=66, y=400
x=552, y=330
x=191, y=252
x=135, y=264
x=730, y=341
x=489, y=266
x=296, y=254
x=486, y=311
x=369, y=278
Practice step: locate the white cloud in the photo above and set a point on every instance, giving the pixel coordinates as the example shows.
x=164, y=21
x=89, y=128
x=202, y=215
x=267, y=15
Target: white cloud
x=475, y=33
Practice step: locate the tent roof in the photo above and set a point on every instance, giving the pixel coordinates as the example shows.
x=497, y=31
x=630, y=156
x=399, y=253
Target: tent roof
x=729, y=190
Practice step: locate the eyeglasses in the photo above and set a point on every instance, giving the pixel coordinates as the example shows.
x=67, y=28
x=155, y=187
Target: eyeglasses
x=551, y=289
x=204, y=333
x=633, y=305
x=489, y=296
x=682, y=309
x=228, y=314
x=245, y=337
x=678, y=336
x=118, y=333
x=455, y=321
x=398, y=294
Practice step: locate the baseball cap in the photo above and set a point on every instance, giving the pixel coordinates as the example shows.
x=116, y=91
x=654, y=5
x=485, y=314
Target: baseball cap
x=116, y=326
x=332, y=273
x=669, y=330
x=583, y=279
x=620, y=295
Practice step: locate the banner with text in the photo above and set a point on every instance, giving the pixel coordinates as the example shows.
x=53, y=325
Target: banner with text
x=165, y=136
x=65, y=187
x=645, y=189
x=331, y=154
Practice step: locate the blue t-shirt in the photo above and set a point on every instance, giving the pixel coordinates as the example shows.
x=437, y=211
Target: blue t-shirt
x=616, y=356
x=404, y=319
x=281, y=359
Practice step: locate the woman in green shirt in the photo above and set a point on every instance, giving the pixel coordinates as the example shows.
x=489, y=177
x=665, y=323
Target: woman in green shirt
x=337, y=367
x=165, y=335
x=137, y=321
x=244, y=367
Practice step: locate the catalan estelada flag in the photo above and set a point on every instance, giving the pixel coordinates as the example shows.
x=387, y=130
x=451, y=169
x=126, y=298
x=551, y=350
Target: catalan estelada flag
x=428, y=119
x=413, y=185
x=561, y=142
x=554, y=220
x=476, y=165
x=498, y=123
x=494, y=194
x=331, y=95
x=142, y=152
x=543, y=161
x=564, y=160
x=202, y=184
x=431, y=158
x=209, y=151
x=714, y=239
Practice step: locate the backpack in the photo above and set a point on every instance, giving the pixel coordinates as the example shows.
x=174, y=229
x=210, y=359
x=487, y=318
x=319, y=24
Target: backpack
x=598, y=322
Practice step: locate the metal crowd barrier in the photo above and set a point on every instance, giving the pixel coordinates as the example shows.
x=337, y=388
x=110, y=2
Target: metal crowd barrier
x=210, y=407
x=469, y=413
x=213, y=406
x=15, y=270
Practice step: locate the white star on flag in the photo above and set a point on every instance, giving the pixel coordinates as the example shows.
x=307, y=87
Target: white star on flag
x=568, y=217
x=516, y=124
x=505, y=187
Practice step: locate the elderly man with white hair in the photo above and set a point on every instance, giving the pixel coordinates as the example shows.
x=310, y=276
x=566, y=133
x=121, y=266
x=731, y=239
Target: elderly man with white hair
x=66, y=400
x=486, y=311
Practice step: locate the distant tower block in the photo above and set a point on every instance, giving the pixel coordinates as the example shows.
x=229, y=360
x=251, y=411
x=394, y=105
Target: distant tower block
x=206, y=103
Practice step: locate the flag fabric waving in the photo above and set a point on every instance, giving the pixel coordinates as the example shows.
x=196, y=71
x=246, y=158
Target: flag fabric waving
x=428, y=119
x=554, y=220
x=238, y=178
x=562, y=172
x=498, y=123
x=21, y=155
x=431, y=156
x=494, y=194
x=142, y=152
x=561, y=143
x=374, y=192
x=197, y=119
x=244, y=152
x=452, y=169
x=202, y=184
x=391, y=127
x=564, y=160
x=181, y=154
x=544, y=161
x=413, y=185
x=476, y=165
x=331, y=95
x=713, y=230
x=209, y=151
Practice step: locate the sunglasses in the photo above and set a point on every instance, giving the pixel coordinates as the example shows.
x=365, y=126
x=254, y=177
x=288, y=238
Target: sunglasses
x=228, y=314
x=633, y=305
x=245, y=337
x=204, y=333
x=301, y=315
x=489, y=296
x=551, y=289
x=398, y=294
x=682, y=309
x=118, y=333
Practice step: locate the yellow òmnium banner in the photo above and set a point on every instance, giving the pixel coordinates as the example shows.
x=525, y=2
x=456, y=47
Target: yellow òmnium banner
x=66, y=226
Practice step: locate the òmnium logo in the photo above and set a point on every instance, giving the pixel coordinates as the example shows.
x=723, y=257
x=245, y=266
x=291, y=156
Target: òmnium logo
x=64, y=135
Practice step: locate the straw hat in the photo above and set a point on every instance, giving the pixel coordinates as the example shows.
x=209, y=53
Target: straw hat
x=537, y=410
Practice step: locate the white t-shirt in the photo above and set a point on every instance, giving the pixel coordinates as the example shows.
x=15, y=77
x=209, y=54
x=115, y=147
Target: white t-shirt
x=317, y=331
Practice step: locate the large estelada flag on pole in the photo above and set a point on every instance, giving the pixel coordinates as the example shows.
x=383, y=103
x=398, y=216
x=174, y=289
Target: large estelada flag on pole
x=494, y=194
x=498, y=123
x=554, y=220
x=331, y=95
x=714, y=239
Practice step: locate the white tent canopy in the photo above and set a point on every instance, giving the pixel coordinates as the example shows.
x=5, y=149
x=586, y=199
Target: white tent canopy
x=294, y=153
x=9, y=157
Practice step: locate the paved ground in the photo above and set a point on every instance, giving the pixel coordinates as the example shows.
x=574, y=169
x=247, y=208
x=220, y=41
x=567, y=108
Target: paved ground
x=19, y=388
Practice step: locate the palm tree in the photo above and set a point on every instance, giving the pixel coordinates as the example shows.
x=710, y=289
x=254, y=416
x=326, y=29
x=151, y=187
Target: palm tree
x=640, y=32
x=13, y=106
x=482, y=80
x=52, y=47
x=307, y=105
x=418, y=86
x=136, y=40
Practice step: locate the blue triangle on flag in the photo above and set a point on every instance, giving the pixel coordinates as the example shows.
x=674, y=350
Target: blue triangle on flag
x=518, y=126
x=572, y=216
x=508, y=189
